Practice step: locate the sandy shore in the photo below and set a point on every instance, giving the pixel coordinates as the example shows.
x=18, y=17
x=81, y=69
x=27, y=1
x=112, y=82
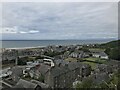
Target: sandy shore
x=22, y=48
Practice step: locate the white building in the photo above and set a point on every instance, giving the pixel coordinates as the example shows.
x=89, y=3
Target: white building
x=49, y=62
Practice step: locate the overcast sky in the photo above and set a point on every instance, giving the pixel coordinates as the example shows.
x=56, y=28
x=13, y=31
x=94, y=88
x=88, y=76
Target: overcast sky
x=59, y=20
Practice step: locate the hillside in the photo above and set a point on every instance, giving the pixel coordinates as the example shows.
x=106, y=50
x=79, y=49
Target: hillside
x=112, y=49
x=111, y=44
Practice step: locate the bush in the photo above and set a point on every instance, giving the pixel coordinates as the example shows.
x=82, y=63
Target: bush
x=41, y=78
x=88, y=83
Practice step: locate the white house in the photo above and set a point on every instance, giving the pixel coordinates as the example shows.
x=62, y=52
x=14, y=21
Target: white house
x=49, y=62
x=102, y=55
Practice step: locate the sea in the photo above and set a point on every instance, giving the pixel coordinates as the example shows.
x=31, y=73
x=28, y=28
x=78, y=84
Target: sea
x=40, y=43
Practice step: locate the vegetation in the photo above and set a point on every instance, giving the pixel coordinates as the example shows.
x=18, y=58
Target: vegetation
x=94, y=59
x=85, y=49
x=8, y=65
x=22, y=61
x=111, y=44
x=71, y=59
x=97, y=49
x=88, y=83
x=112, y=49
x=27, y=77
x=93, y=65
x=41, y=78
x=114, y=53
x=39, y=57
x=52, y=54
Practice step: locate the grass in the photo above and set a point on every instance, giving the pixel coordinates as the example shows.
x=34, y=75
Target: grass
x=71, y=59
x=98, y=49
x=91, y=59
x=8, y=65
x=96, y=60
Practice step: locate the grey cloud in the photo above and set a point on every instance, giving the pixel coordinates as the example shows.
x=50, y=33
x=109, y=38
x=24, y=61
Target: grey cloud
x=62, y=20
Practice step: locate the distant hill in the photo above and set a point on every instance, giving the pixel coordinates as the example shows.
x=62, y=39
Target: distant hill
x=112, y=49
x=112, y=44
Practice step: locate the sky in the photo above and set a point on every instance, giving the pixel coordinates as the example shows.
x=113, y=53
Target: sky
x=63, y=20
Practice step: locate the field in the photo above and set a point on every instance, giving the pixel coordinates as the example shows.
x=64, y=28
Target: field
x=71, y=59
x=94, y=61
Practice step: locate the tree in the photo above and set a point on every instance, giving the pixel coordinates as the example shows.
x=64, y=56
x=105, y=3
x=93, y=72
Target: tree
x=107, y=51
x=114, y=54
x=41, y=78
x=88, y=83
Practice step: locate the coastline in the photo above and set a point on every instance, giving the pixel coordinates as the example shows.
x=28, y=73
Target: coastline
x=19, y=48
x=23, y=44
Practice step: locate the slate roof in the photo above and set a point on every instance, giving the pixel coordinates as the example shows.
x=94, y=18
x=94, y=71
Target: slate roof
x=100, y=53
x=59, y=70
x=43, y=68
x=101, y=66
x=43, y=85
x=74, y=65
x=103, y=54
x=25, y=84
x=100, y=77
x=56, y=71
x=60, y=61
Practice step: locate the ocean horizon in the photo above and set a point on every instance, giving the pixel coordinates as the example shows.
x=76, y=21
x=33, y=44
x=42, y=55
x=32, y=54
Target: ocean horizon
x=39, y=43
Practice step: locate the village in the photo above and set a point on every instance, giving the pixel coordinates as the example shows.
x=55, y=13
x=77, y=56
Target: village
x=56, y=67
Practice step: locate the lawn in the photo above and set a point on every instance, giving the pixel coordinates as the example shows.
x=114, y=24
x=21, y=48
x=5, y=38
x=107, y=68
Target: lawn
x=96, y=49
x=8, y=65
x=71, y=59
x=96, y=60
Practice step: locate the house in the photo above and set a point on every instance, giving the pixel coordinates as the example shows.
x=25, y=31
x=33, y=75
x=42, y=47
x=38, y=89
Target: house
x=77, y=54
x=99, y=54
x=17, y=72
x=43, y=85
x=57, y=77
x=23, y=84
x=100, y=77
x=103, y=55
x=48, y=62
x=104, y=68
x=60, y=62
x=9, y=54
x=63, y=76
x=81, y=70
x=5, y=72
x=39, y=70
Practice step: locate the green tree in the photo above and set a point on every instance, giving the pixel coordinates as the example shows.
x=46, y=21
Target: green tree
x=88, y=83
x=41, y=78
x=115, y=54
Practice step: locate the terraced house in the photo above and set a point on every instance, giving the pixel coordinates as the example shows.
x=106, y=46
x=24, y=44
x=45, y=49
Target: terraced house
x=64, y=76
